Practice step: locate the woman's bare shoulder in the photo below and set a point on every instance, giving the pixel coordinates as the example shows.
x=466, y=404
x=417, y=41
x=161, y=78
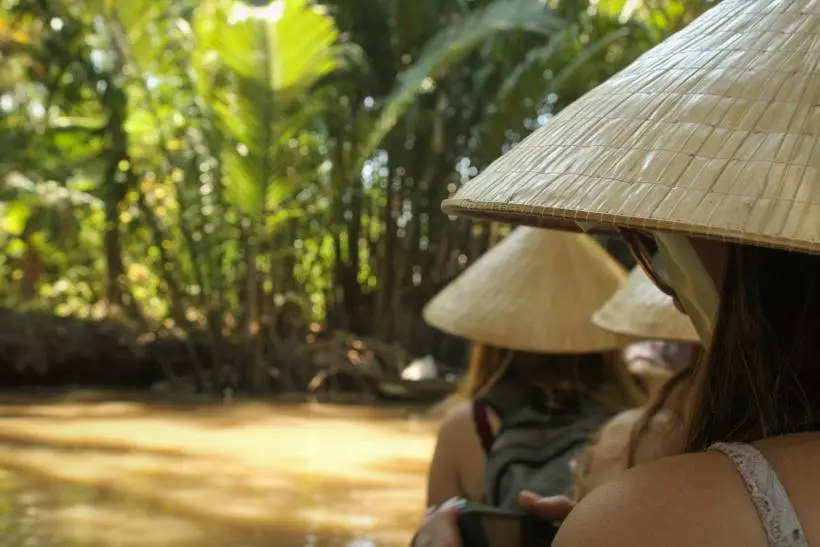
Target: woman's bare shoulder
x=457, y=417
x=693, y=499
x=459, y=421
x=457, y=430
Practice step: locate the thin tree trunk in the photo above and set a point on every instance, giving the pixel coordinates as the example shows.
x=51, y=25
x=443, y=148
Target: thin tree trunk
x=387, y=272
x=113, y=254
x=257, y=370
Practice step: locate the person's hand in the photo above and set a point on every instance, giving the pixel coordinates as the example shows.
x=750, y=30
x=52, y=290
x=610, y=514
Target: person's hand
x=440, y=526
x=552, y=508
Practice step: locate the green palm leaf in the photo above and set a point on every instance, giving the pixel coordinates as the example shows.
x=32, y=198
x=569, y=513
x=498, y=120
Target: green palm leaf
x=273, y=54
x=454, y=42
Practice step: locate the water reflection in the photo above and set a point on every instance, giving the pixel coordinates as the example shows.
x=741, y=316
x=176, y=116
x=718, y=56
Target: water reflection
x=126, y=473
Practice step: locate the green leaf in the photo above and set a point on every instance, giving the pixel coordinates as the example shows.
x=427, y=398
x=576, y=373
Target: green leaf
x=303, y=39
x=276, y=193
x=272, y=222
x=272, y=55
x=16, y=248
x=519, y=96
x=288, y=44
x=138, y=19
x=243, y=187
x=142, y=125
x=587, y=53
x=451, y=44
x=15, y=216
x=616, y=8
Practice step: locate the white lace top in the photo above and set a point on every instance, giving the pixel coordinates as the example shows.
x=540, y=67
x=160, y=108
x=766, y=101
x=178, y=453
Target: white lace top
x=776, y=512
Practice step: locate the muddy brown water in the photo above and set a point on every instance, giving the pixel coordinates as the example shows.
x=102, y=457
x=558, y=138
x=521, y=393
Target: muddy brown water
x=110, y=472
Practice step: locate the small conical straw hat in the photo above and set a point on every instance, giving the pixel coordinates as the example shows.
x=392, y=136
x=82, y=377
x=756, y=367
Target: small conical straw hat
x=715, y=132
x=535, y=291
x=639, y=309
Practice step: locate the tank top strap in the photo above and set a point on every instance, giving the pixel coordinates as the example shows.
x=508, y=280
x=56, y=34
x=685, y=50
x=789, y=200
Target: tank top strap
x=776, y=512
x=484, y=429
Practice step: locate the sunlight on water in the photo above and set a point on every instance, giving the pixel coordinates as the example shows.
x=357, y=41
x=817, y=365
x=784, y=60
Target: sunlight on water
x=245, y=475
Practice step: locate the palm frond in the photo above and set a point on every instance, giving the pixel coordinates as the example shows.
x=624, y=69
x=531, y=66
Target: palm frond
x=453, y=43
x=553, y=68
x=587, y=53
x=519, y=95
x=273, y=55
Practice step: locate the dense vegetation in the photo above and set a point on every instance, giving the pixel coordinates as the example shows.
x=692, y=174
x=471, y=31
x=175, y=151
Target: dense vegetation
x=234, y=174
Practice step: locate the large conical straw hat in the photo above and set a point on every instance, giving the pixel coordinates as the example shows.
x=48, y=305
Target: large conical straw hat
x=639, y=309
x=535, y=291
x=715, y=132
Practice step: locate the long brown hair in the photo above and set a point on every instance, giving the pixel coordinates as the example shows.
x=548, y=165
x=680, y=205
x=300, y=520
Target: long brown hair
x=603, y=378
x=761, y=377
x=672, y=399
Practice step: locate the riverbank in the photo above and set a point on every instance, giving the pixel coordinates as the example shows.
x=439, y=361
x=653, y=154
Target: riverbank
x=42, y=350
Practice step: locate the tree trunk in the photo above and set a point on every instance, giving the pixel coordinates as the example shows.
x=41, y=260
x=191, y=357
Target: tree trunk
x=355, y=311
x=112, y=249
x=33, y=264
x=117, y=179
x=387, y=274
x=257, y=370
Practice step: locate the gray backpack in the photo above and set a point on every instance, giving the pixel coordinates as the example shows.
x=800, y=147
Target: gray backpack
x=534, y=445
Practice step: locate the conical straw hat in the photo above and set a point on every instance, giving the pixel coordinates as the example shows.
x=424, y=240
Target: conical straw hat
x=641, y=310
x=535, y=291
x=715, y=132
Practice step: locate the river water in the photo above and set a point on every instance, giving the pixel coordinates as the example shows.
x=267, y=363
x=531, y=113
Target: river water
x=102, y=471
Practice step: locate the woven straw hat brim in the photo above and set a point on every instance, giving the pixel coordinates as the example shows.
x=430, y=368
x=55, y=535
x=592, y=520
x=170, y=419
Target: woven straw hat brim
x=535, y=291
x=715, y=132
x=639, y=309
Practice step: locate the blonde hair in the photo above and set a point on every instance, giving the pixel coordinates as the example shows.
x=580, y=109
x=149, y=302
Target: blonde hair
x=488, y=364
x=604, y=378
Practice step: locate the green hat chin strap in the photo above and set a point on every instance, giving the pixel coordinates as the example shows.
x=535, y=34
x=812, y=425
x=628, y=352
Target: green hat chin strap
x=693, y=285
x=586, y=227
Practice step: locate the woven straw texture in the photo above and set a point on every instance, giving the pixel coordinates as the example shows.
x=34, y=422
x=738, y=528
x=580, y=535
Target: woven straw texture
x=641, y=310
x=714, y=132
x=535, y=291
